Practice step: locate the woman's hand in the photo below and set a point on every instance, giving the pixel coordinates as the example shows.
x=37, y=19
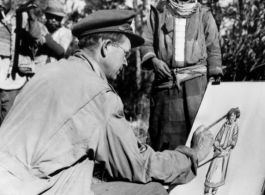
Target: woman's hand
x=161, y=69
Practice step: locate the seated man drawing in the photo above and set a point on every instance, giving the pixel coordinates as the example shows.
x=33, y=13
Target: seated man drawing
x=68, y=117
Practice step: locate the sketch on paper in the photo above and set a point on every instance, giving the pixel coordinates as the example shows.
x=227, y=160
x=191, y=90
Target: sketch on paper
x=237, y=152
x=225, y=141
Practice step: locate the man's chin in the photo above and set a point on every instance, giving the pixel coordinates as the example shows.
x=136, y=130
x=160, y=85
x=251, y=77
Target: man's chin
x=53, y=28
x=112, y=77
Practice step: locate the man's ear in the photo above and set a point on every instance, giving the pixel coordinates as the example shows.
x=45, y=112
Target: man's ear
x=105, y=47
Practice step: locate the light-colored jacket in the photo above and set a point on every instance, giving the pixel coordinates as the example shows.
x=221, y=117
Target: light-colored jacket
x=65, y=118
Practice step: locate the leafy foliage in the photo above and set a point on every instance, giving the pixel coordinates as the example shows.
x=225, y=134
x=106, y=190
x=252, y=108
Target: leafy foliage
x=243, y=43
x=93, y=5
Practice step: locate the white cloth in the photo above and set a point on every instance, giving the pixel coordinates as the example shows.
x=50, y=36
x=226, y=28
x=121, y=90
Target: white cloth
x=62, y=36
x=6, y=81
x=179, y=44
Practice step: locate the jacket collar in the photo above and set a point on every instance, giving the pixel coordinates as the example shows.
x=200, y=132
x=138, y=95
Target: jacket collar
x=91, y=63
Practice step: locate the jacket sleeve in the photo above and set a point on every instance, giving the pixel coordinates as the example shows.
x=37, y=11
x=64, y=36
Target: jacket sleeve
x=214, y=60
x=147, y=50
x=126, y=159
x=55, y=49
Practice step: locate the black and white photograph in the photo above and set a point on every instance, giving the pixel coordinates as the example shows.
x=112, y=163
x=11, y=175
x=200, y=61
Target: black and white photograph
x=132, y=97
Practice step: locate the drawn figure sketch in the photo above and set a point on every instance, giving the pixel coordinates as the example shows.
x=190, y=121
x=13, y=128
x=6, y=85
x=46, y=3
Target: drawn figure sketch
x=225, y=141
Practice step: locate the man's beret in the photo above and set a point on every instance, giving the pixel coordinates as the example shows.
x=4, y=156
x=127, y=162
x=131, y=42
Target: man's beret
x=109, y=21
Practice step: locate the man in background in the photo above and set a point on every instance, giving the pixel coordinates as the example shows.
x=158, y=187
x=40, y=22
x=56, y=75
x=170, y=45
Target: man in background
x=54, y=15
x=11, y=80
x=56, y=38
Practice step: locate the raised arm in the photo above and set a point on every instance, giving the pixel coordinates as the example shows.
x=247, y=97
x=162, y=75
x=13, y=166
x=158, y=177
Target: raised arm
x=125, y=158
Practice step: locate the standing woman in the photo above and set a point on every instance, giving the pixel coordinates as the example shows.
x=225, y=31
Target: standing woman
x=182, y=48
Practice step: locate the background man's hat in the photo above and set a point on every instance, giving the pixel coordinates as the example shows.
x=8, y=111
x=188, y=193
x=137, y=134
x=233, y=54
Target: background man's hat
x=55, y=7
x=109, y=21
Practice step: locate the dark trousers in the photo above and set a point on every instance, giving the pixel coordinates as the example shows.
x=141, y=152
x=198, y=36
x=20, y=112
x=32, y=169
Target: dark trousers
x=126, y=188
x=7, y=98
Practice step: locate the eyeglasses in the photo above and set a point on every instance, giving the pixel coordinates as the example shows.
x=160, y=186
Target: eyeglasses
x=127, y=53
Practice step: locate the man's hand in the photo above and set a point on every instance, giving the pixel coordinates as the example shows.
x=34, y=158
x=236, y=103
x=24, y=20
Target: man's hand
x=1, y=4
x=161, y=68
x=31, y=15
x=2, y=7
x=216, y=79
x=202, y=141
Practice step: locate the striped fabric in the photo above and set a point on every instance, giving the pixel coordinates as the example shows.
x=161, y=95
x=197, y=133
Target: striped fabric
x=7, y=50
x=5, y=41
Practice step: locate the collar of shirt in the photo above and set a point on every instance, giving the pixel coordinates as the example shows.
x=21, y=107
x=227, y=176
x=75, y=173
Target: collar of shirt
x=91, y=63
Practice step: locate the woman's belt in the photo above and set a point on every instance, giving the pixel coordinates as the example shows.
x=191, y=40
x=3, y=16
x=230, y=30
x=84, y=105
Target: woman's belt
x=180, y=75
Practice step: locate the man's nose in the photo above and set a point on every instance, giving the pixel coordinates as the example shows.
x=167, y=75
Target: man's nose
x=125, y=62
